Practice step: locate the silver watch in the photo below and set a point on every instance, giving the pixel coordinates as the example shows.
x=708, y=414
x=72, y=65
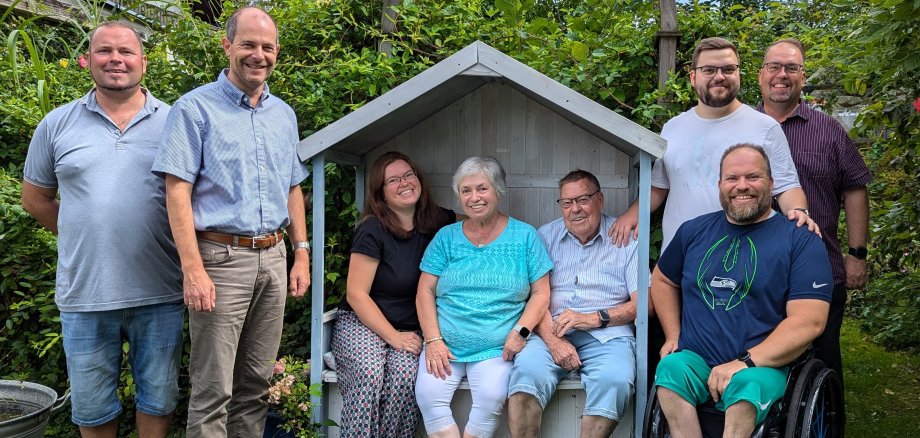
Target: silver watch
x=305, y=245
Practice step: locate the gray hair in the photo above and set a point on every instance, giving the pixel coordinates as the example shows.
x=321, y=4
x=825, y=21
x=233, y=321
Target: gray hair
x=488, y=166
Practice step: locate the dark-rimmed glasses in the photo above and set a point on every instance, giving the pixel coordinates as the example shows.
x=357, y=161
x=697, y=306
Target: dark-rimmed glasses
x=393, y=180
x=775, y=67
x=711, y=70
x=567, y=203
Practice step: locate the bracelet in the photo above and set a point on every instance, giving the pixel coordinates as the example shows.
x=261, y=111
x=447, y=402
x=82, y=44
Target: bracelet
x=803, y=210
x=434, y=339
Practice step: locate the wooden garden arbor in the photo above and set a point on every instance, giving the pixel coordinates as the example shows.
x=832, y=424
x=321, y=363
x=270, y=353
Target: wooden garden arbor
x=480, y=101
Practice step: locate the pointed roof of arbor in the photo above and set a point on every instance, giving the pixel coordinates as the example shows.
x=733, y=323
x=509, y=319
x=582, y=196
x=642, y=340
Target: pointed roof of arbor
x=476, y=65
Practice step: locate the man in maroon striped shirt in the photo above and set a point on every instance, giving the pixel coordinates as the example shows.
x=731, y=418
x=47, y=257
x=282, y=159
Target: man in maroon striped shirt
x=831, y=172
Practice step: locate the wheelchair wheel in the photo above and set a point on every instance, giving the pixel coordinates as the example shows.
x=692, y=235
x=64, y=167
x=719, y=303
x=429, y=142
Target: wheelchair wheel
x=823, y=416
x=799, y=398
x=654, y=424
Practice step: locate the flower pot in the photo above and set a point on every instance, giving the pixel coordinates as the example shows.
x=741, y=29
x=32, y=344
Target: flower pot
x=273, y=423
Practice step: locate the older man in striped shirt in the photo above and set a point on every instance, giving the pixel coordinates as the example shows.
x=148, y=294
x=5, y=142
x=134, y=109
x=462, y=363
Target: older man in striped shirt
x=589, y=323
x=831, y=172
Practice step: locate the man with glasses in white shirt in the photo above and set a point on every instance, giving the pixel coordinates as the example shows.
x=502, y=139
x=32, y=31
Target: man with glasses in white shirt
x=590, y=323
x=687, y=175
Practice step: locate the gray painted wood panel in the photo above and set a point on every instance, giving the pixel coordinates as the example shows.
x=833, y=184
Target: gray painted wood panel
x=535, y=145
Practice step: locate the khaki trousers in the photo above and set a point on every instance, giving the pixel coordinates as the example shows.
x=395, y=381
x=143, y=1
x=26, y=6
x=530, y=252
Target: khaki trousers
x=234, y=346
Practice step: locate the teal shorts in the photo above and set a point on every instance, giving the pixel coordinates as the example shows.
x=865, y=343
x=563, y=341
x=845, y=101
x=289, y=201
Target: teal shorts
x=686, y=373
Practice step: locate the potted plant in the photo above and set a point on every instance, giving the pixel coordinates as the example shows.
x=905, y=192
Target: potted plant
x=290, y=410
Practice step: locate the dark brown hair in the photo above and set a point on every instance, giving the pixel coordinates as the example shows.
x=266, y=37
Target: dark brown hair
x=428, y=216
x=712, y=43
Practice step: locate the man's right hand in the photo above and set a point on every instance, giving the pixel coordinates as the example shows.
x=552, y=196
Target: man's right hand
x=624, y=226
x=668, y=348
x=564, y=353
x=200, y=294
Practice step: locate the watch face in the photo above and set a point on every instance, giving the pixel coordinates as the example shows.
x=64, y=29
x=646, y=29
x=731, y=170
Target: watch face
x=525, y=332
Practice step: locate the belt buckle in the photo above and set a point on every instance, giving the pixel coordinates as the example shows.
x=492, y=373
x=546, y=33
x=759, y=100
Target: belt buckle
x=252, y=243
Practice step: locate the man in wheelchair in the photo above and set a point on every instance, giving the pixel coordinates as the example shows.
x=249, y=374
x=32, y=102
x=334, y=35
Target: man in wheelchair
x=740, y=294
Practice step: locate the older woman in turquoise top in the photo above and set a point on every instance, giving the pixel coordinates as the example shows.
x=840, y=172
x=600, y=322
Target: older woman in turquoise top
x=484, y=286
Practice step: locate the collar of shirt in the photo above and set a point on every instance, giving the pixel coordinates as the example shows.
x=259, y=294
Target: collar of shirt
x=237, y=95
x=151, y=103
x=802, y=110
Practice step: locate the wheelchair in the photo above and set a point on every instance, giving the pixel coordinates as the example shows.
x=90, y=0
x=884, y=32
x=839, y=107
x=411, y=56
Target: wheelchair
x=811, y=407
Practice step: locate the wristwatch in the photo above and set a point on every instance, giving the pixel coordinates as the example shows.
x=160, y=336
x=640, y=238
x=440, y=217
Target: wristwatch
x=746, y=358
x=521, y=330
x=803, y=210
x=305, y=245
x=605, y=317
x=859, y=252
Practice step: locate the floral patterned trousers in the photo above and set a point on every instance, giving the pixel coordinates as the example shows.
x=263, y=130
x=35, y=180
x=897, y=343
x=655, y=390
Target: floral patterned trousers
x=376, y=380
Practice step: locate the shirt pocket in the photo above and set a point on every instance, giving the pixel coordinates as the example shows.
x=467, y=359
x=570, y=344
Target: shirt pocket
x=814, y=164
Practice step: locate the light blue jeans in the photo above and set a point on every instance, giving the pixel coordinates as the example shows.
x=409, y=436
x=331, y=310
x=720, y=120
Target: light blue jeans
x=488, y=380
x=608, y=372
x=92, y=345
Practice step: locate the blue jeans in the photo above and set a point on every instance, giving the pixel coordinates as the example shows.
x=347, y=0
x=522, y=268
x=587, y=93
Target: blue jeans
x=608, y=373
x=92, y=344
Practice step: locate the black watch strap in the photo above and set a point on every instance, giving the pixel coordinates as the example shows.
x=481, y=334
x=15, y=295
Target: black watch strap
x=746, y=358
x=604, y=316
x=859, y=252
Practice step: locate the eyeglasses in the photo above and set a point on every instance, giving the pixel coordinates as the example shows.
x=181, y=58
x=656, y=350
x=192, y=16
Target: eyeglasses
x=394, y=180
x=710, y=70
x=567, y=203
x=791, y=69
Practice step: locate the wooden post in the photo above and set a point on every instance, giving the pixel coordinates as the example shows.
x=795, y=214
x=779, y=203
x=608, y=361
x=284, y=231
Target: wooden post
x=387, y=25
x=667, y=40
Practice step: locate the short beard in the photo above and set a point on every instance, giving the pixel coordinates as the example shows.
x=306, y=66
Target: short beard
x=745, y=214
x=120, y=87
x=710, y=100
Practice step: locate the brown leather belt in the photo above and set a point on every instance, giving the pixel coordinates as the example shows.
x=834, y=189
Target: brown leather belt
x=258, y=242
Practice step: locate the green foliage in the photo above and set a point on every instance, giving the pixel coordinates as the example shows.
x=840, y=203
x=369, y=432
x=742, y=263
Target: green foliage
x=329, y=66
x=289, y=397
x=890, y=309
x=30, y=343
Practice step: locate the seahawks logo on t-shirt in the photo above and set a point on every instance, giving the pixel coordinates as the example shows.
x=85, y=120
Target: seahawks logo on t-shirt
x=726, y=284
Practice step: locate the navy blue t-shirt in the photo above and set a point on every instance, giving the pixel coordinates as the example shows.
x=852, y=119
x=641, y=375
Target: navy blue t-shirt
x=736, y=279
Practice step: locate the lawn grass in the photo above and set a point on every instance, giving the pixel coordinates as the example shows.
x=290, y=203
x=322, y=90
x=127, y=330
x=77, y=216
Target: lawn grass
x=882, y=387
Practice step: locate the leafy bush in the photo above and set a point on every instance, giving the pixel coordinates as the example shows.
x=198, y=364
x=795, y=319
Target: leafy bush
x=890, y=309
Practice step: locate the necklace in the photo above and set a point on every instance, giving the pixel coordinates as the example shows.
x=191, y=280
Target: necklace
x=122, y=124
x=482, y=239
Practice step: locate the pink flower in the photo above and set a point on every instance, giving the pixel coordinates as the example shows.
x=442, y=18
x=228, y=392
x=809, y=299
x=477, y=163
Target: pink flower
x=83, y=62
x=279, y=367
x=917, y=104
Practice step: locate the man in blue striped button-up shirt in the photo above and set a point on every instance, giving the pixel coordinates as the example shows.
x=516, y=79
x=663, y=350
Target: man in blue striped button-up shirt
x=232, y=183
x=589, y=325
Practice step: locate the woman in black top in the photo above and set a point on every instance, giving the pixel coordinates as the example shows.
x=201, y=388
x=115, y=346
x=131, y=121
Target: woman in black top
x=376, y=341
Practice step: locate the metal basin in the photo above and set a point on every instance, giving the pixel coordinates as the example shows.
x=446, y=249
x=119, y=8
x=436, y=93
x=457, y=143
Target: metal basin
x=25, y=408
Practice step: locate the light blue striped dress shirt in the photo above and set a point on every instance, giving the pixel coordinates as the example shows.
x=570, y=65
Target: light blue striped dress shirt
x=241, y=159
x=590, y=277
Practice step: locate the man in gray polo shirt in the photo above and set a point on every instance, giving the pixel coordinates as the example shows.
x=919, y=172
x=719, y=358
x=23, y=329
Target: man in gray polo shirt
x=118, y=274
x=232, y=184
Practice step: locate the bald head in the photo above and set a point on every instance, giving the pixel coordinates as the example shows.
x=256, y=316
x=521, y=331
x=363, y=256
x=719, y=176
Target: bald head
x=234, y=21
